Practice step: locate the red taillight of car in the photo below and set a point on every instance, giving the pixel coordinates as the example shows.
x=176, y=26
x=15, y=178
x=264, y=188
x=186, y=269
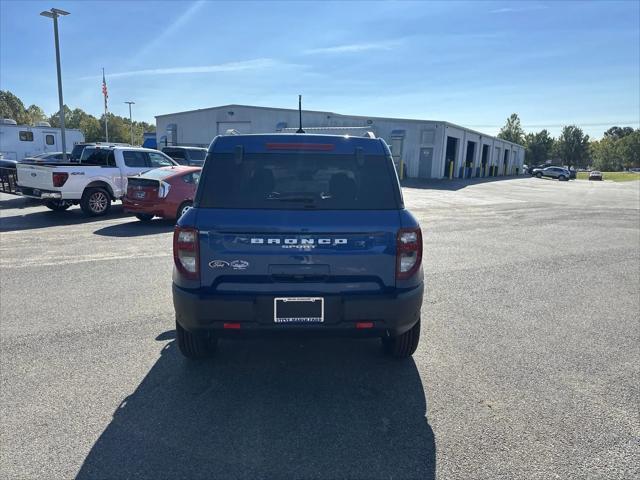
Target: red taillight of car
x=59, y=178
x=409, y=252
x=186, y=252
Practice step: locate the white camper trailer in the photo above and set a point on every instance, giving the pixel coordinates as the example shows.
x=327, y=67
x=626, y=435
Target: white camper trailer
x=20, y=141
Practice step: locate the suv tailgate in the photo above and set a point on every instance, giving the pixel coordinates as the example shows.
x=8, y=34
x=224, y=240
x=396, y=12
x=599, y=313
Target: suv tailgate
x=276, y=250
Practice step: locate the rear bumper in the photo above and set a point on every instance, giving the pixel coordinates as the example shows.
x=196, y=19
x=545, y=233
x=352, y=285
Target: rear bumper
x=39, y=193
x=159, y=209
x=394, y=313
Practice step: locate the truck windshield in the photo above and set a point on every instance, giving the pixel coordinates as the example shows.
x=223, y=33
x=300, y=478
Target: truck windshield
x=76, y=152
x=197, y=155
x=299, y=181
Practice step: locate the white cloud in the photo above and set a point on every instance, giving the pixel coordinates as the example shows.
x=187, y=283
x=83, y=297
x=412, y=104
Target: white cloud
x=352, y=48
x=527, y=8
x=255, y=64
x=168, y=31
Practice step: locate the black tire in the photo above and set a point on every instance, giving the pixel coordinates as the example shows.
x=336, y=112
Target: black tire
x=404, y=345
x=538, y=175
x=183, y=208
x=144, y=217
x=195, y=346
x=57, y=205
x=562, y=178
x=95, y=202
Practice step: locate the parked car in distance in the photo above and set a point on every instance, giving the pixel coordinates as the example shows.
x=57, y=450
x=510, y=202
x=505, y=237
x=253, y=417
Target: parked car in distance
x=533, y=168
x=165, y=192
x=560, y=173
x=187, y=155
x=98, y=179
x=298, y=233
x=595, y=175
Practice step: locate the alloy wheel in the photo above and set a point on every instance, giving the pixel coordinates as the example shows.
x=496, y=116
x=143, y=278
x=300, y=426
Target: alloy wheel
x=98, y=202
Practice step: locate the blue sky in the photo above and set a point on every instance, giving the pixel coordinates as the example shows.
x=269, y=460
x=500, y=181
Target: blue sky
x=470, y=63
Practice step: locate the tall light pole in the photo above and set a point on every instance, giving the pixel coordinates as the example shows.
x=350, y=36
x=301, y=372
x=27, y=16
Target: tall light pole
x=131, y=120
x=55, y=13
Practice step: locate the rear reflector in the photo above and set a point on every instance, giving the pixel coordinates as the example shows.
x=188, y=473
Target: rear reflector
x=361, y=325
x=322, y=147
x=231, y=326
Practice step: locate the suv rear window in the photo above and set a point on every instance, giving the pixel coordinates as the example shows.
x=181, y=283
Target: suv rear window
x=299, y=181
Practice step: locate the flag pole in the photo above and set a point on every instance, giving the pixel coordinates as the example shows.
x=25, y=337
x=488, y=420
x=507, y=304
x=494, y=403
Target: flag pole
x=106, y=117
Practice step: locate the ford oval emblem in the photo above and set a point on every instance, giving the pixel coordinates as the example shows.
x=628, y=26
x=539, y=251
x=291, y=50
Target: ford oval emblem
x=218, y=264
x=33, y=174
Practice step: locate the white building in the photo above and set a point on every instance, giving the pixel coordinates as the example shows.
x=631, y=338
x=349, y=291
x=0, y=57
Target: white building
x=426, y=148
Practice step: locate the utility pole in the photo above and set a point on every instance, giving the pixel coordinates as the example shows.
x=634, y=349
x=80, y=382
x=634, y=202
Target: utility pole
x=54, y=13
x=131, y=120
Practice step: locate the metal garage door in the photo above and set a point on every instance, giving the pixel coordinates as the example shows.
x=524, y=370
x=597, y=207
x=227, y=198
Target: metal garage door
x=240, y=127
x=426, y=160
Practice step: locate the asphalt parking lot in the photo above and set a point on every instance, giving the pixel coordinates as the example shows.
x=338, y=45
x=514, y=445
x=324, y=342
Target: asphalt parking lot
x=528, y=366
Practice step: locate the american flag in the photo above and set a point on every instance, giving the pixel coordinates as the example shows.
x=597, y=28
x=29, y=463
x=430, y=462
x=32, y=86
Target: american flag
x=104, y=90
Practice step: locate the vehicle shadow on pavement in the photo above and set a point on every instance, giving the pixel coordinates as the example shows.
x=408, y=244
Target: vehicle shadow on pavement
x=277, y=408
x=46, y=218
x=137, y=228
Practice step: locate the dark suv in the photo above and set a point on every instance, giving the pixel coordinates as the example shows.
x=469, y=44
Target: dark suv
x=193, y=156
x=297, y=233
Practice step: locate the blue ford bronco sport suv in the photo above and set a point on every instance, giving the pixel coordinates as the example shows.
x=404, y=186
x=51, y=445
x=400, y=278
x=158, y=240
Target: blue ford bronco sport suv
x=297, y=233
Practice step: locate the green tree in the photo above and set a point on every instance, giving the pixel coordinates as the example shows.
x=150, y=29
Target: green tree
x=539, y=147
x=604, y=154
x=12, y=107
x=512, y=130
x=36, y=114
x=54, y=119
x=628, y=149
x=616, y=133
x=572, y=147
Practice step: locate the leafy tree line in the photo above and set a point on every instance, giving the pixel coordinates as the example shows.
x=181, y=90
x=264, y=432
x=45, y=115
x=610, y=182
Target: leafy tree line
x=92, y=127
x=618, y=149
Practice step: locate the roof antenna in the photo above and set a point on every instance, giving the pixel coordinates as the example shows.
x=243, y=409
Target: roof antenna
x=300, y=130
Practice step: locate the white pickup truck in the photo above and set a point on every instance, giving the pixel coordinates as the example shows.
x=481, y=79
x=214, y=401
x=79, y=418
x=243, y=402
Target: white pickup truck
x=98, y=179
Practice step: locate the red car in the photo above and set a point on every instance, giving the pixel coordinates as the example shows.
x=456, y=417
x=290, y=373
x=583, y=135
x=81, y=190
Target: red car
x=163, y=192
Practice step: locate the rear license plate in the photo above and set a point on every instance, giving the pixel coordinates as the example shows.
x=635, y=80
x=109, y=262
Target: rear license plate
x=140, y=194
x=298, y=310
x=36, y=192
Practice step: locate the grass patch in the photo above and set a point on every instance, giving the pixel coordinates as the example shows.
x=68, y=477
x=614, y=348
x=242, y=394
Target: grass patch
x=614, y=176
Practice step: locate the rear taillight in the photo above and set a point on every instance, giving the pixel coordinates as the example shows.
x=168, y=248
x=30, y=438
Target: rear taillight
x=186, y=252
x=163, y=190
x=409, y=252
x=59, y=178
